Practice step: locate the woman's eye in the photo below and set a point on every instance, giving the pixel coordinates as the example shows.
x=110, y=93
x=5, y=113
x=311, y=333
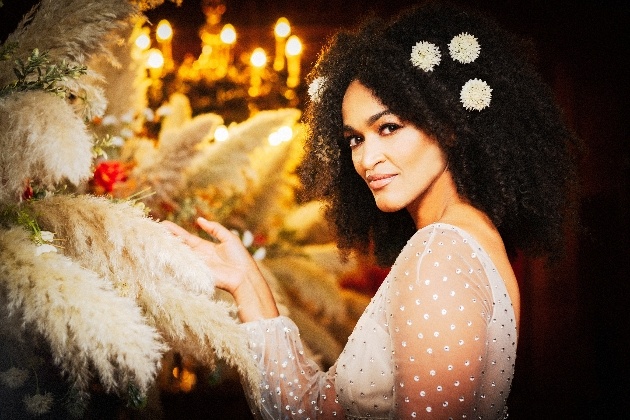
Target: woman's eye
x=389, y=128
x=353, y=141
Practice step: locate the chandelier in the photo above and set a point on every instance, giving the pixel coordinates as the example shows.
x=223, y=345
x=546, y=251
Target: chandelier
x=219, y=81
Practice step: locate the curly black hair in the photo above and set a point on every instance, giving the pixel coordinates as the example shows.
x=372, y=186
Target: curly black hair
x=513, y=160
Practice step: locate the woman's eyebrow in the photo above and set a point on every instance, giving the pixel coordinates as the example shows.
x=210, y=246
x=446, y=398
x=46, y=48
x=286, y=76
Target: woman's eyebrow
x=371, y=120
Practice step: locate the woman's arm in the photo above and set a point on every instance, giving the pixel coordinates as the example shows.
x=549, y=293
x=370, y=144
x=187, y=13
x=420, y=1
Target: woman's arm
x=292, y=385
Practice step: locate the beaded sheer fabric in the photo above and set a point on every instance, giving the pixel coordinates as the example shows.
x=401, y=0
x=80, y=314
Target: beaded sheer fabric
x=438, y=340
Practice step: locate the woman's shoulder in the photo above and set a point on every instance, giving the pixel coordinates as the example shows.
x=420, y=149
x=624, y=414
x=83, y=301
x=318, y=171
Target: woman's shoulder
x=443, y=235
x=471, y=252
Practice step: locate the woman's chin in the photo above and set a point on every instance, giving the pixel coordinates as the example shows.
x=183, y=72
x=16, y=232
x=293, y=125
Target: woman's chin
x=387, y=206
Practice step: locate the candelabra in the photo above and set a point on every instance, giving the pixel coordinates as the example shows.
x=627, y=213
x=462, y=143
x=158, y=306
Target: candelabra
x=219, y=80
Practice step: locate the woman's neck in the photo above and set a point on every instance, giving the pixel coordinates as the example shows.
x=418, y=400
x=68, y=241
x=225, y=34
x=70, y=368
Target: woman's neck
x=435, y=203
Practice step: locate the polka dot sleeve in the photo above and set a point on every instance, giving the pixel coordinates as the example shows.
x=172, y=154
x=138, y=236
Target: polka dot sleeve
x=292, y=385
x=438, y=340
x=439, y=306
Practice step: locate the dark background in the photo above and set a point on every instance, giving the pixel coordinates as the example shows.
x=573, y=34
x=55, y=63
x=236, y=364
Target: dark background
x=574, y=342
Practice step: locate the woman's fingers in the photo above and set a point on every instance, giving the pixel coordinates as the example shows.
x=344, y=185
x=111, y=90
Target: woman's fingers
x=188, y=238
x=174, y=228
x=214, y=229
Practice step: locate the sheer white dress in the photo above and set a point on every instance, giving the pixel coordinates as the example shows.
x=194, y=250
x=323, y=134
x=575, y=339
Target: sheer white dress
x=438, y=340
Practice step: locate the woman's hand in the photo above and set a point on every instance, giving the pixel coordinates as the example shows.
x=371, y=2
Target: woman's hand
x=235, y=270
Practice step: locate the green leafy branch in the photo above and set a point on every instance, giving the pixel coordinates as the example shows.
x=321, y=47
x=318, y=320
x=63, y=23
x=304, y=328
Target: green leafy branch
x=100, y=145
x=14, y=215
x=7, y=50
x=38, y=73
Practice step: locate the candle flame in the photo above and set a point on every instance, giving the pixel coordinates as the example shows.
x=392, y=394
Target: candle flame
x=164, y=31
x=155, y=60
x=283, y=28
x=143, y=41
x=228, y=34
x=294, y=46
x=258, y=58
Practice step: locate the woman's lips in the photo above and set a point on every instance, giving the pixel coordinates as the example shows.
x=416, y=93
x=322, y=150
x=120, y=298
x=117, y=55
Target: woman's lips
x=378, y=181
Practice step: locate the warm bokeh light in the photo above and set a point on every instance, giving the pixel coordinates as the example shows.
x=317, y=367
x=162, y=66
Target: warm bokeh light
x=155, y=60
x=228, y=34
x=294, y=46
x=143, y=41
x=258, y=58
x=283, y=28
x=164, y=31
x=221, y=133
x=283, y=134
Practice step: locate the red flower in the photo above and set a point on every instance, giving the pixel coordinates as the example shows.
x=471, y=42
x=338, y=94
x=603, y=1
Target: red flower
x=27, y=194
x=107, y=174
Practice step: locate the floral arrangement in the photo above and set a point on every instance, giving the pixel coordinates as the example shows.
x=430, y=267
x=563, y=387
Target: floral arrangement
x=463, y=48
x=89, y=280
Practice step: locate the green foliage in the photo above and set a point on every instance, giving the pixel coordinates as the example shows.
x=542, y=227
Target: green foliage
x=135, y=398
x=38, y=73
x=15, y=215
x=7, y=50
x=101, y=144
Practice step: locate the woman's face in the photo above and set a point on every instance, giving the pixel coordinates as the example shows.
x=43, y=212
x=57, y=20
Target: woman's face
x=398, y=161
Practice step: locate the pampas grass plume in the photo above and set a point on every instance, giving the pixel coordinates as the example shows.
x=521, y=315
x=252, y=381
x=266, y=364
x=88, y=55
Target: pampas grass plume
x=41, y=138
x=144, y=261
x=117, y=240
x=84, y=320
x=71, y=30
x=161, y=169
x=222, y=164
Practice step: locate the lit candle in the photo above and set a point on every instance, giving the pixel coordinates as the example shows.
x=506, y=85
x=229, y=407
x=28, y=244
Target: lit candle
x=164, y=35
x=281, y=31
x=155, y=63
x=294, y=57
x=228, y=38
x=258, y=60
x=143, y=41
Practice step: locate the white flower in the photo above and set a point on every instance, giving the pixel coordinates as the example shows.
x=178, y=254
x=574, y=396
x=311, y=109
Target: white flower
x=464, y=48
x=41, y=249
x=425, y=55
x=260, y=254
x=127, y=117
x=39, y=403
x=248, y=238
x=476, y=94
x=14, y=377
x=117, y=141
x=315, y=88
x=47, y=236
x=126, y=133
x=109, y=120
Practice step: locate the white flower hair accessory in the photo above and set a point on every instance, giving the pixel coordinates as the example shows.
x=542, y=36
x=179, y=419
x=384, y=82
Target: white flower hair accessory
x=316, y=88
x=425, y=55
x=476, y=95
x=464, y=48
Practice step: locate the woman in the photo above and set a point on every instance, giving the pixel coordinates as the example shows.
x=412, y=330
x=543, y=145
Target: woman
x=431, y=135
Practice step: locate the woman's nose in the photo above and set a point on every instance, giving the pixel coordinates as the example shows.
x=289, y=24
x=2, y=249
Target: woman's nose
x=371, y=153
